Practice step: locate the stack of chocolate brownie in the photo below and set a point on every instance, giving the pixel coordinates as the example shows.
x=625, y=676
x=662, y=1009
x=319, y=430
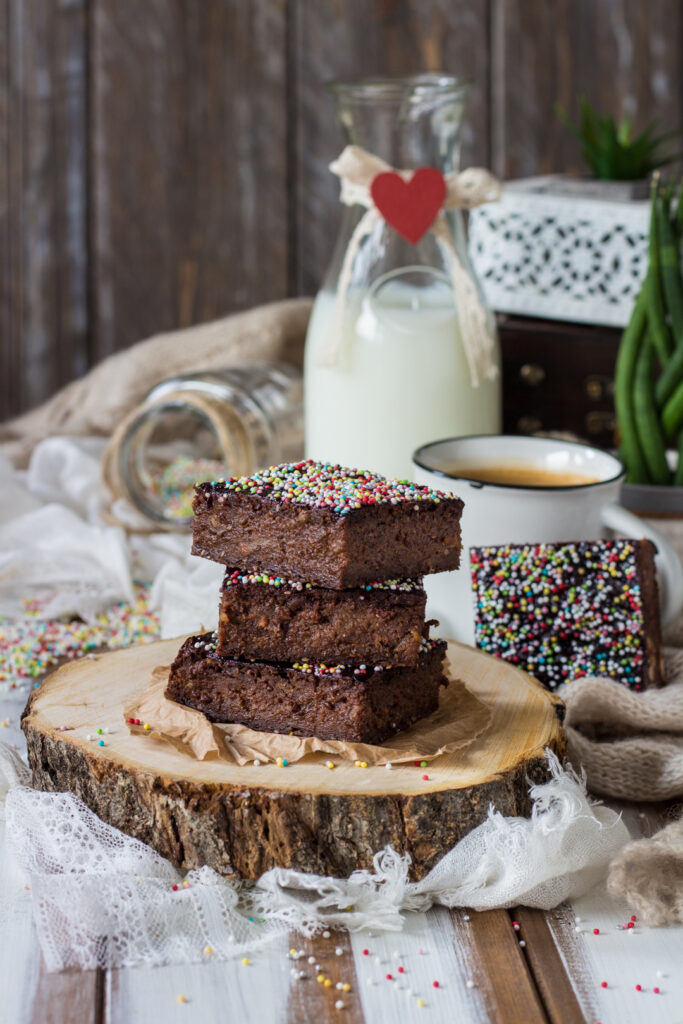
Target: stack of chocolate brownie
x=322, y=626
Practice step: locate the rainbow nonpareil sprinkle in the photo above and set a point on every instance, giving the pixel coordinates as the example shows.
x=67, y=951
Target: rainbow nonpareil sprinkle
x=563, y=611
x=207, y=642
x=236, y=577
x=31, y=646
x=173, y=487
x=325, y=485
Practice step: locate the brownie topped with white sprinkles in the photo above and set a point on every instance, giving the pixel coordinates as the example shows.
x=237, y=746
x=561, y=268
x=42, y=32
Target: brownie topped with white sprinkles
x=568, y=610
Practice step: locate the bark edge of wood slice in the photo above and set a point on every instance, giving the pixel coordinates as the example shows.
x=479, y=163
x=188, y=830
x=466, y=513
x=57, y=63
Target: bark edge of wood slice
x=243, y=820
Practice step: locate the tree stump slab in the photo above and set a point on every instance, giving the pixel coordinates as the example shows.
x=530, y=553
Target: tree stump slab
x=243, y=820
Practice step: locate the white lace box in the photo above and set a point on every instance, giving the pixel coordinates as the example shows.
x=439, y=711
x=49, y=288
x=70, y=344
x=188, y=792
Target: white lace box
x=548, y=249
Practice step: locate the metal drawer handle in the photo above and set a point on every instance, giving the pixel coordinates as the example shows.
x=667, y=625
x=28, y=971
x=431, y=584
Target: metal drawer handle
x=529, y=424
x=532, y=374
x=599, y=421
x=597, y=387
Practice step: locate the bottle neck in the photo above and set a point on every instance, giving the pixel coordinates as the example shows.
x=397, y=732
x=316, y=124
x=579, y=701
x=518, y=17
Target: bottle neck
x=409, y=122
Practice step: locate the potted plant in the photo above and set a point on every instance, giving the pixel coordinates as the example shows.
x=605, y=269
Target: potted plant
x=649, y=370
x=620, y=163
x=573, y=248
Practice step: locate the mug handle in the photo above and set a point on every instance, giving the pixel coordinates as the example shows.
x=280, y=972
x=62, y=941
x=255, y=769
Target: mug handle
x=669, y=570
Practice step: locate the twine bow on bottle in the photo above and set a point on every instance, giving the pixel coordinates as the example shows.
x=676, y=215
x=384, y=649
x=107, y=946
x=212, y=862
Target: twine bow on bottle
x=356, y=169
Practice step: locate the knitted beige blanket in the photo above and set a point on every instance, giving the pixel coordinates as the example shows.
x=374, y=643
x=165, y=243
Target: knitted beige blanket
x=631, y=747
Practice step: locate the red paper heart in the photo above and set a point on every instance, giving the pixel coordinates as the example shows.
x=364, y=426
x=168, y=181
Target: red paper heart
x=409, y=206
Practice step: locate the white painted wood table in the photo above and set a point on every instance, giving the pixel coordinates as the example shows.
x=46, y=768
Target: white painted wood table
x=486, y=969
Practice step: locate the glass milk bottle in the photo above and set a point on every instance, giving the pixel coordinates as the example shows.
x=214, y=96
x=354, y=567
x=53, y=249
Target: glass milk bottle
x=386, y=366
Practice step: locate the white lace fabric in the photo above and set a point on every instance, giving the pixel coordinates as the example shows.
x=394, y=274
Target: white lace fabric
x=103, y=899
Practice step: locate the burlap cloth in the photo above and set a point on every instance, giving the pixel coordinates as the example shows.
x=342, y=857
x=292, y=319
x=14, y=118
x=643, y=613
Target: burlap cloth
x=95, y=404
x=630, y=745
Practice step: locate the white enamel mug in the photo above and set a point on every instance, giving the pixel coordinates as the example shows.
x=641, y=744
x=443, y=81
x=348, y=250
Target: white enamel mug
x=511, y=514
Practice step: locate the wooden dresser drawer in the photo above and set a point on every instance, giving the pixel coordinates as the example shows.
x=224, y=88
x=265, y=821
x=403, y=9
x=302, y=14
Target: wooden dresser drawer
x=558, y=376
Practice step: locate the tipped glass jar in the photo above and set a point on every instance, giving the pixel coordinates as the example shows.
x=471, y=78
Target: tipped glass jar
x=203, y=426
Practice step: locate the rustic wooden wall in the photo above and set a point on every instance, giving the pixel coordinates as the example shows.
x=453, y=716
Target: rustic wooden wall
x=164, y=162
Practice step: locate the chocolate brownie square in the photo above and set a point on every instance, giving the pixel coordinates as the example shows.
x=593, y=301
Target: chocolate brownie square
x=326, y=524
x=567, y=610
x=365, y=704
x=266, y=617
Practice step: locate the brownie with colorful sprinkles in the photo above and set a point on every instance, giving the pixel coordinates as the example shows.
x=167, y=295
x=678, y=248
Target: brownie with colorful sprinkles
x=567, y=610
x=267, y=617
x=362, y=704
x=325, y=524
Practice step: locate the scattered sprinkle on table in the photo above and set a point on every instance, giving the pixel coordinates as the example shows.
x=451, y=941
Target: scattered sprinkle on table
x=31, y=646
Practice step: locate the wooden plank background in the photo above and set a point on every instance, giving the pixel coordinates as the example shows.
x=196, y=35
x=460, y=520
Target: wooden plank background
x=164, y=163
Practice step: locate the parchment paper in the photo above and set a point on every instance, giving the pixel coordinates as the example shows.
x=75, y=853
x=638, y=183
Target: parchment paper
x=460, y=718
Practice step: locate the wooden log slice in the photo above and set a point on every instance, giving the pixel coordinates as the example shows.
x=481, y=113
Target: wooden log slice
x=242, y=820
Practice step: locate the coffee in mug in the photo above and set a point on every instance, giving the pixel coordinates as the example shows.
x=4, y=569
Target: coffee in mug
x=518, y=474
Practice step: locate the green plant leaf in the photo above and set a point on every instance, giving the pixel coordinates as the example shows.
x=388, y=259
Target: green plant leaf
x=610, y=149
